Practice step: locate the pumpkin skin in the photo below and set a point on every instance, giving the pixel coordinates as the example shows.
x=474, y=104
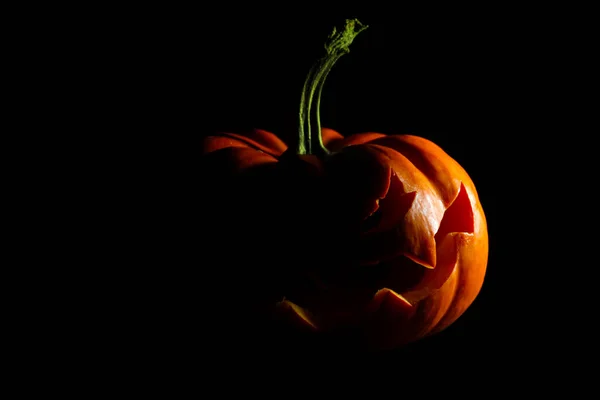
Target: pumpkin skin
x=383, y=241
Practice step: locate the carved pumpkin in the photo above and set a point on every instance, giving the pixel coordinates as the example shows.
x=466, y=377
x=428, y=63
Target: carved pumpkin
x=378, y=238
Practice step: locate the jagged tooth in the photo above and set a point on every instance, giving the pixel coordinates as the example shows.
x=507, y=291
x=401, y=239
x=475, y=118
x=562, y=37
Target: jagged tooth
x=433, y=279
x=296, y=315
x=391, y=317
x=388, y=302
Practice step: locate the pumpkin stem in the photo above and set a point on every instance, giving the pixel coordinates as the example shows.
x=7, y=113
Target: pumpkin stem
x=337, y=45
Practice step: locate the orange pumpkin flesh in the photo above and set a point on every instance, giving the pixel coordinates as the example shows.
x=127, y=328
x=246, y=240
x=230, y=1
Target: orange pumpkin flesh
x=410, y=274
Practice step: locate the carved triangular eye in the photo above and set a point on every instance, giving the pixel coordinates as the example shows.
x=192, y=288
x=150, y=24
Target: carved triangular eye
x=458, y=217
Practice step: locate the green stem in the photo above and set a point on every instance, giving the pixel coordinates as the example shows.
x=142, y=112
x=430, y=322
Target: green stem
x=311, y=142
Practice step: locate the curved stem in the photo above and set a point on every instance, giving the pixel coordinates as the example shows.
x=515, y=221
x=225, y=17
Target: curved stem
x=311, y=142
x=318, y=135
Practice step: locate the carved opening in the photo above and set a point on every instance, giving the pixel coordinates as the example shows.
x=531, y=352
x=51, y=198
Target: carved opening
x=458, y=217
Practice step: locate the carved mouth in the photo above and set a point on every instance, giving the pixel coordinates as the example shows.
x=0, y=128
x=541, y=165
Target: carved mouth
x=388, y=274
x=402, y=271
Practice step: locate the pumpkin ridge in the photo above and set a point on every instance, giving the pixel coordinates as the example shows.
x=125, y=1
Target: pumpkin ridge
x=250, y=143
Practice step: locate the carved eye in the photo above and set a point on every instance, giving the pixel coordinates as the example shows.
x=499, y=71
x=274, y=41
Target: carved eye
x=458, y=217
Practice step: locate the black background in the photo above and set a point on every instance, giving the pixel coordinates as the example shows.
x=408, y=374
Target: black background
x=485, y=83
